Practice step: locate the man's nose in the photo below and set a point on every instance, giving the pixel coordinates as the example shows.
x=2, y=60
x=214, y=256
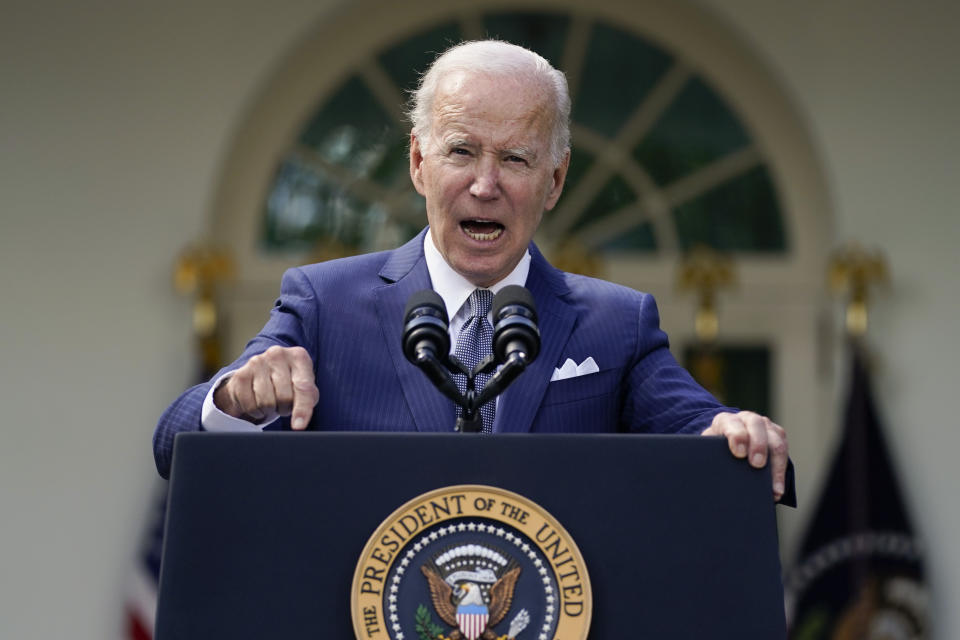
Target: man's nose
x=486, y=181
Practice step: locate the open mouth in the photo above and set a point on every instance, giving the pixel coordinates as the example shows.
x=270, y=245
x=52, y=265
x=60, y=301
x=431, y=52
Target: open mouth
x=483, y=230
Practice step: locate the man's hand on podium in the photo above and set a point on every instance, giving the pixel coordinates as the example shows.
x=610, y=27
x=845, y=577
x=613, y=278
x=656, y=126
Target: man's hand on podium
x=278, y=381
x=756, y=436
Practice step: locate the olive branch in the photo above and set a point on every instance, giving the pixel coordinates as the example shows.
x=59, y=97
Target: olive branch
x=425, y=627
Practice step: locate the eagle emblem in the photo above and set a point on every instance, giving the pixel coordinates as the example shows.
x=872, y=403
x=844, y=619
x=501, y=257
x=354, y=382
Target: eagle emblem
x=471, y=588
x=471, y=562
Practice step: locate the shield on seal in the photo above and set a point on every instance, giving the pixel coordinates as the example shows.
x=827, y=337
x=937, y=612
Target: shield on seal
x=472, y=619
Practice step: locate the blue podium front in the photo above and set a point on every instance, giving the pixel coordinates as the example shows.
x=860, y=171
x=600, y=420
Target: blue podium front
x=413, y=536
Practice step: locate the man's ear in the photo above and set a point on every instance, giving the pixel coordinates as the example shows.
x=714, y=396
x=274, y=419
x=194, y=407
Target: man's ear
x=558, y=178
x=416, y=164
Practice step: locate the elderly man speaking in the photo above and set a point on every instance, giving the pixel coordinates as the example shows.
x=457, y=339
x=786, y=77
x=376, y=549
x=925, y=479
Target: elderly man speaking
x=489, y=151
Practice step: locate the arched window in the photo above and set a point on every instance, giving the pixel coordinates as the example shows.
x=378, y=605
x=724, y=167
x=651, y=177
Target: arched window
x=660, y=160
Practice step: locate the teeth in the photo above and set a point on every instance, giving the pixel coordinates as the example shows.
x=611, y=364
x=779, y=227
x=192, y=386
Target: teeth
x=493, y=235
x=472, y=229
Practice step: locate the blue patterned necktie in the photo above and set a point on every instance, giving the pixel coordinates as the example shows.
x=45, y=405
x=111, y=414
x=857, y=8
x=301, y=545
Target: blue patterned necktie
x=473, y=345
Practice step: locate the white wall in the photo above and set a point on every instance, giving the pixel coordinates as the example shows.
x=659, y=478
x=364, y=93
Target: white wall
x=113, y=122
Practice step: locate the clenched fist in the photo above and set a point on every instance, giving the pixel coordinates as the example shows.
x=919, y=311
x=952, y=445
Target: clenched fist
x=279, y=381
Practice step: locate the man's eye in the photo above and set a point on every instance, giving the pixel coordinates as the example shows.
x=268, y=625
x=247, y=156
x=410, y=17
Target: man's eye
x=459, y=151
x=516, y=159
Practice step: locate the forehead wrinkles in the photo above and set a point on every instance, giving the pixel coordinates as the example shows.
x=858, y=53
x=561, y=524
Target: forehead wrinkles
x=504, y=111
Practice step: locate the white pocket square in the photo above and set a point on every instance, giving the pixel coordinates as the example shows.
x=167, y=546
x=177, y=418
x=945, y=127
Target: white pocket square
x=570, y=369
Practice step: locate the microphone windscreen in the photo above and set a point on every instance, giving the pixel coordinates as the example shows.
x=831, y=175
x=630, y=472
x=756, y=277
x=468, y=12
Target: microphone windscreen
x=426, y=298
x=513, y=295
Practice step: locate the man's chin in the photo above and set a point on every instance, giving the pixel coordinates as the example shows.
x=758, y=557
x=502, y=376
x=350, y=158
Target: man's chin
x=481, y=275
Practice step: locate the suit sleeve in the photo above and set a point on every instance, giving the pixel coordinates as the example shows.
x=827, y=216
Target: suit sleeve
x=661, y=396
x=293, y=322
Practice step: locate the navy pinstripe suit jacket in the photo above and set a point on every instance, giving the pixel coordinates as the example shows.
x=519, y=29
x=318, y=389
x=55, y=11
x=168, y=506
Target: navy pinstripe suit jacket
x=348, y=314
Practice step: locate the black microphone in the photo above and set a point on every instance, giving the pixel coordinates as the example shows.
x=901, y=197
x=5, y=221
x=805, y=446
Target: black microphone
x=426, y=342
x=515, y=325
x=425, y=326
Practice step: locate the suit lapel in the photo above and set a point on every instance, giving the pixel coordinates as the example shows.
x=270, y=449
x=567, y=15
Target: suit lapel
x=405, y=273
x=520, y=402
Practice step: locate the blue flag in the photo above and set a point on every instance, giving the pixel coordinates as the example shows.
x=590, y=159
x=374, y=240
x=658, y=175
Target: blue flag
x=860, y=572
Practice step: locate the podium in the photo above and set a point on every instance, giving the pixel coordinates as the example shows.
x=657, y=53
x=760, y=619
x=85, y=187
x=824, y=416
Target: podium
x=265, y=531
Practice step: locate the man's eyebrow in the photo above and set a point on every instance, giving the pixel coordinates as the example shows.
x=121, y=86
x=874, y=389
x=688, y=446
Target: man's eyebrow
x=522, y=152
x=527, y=153
x=456, y=142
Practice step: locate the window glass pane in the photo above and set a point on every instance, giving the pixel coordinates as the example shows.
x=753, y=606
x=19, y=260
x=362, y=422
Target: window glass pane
x=393, y=167
x=544, y=33
x=353, y=133
x=639, y=238
x=305, y=205
x=351, y=129
x=614, y=195
x=620, y=69
x=693, y=132
x=739, y=215
x=580, y=163
x=407, y=59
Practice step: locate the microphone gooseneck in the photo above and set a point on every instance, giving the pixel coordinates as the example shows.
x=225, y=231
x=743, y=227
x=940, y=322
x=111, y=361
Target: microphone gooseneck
x=516, y=339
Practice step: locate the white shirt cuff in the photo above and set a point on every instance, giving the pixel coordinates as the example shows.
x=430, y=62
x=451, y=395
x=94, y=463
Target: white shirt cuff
x=213, y=419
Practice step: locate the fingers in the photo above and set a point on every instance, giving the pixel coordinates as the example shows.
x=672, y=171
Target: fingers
x=734, y=430
x=779, y=456
x=757, y=433
x=305, y=392
x=278, y=381
x=238, y=398
x=280, y=378
x=264, y=399
x=757, y=438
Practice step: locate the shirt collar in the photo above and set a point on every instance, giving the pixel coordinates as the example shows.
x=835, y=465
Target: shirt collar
x=453, y=287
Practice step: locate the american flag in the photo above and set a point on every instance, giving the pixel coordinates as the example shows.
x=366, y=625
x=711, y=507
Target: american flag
x=141, y=592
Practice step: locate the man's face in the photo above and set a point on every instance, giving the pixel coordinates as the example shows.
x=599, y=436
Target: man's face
x=486, y=172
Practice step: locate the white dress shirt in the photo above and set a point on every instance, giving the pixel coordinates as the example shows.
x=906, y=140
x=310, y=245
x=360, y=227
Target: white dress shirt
x=455, y=289
x=452, y=287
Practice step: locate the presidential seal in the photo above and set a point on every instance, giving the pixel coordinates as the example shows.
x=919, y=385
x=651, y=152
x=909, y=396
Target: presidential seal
x=471, y=562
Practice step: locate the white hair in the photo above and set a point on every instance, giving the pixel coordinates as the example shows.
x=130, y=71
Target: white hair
x=497, y=58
